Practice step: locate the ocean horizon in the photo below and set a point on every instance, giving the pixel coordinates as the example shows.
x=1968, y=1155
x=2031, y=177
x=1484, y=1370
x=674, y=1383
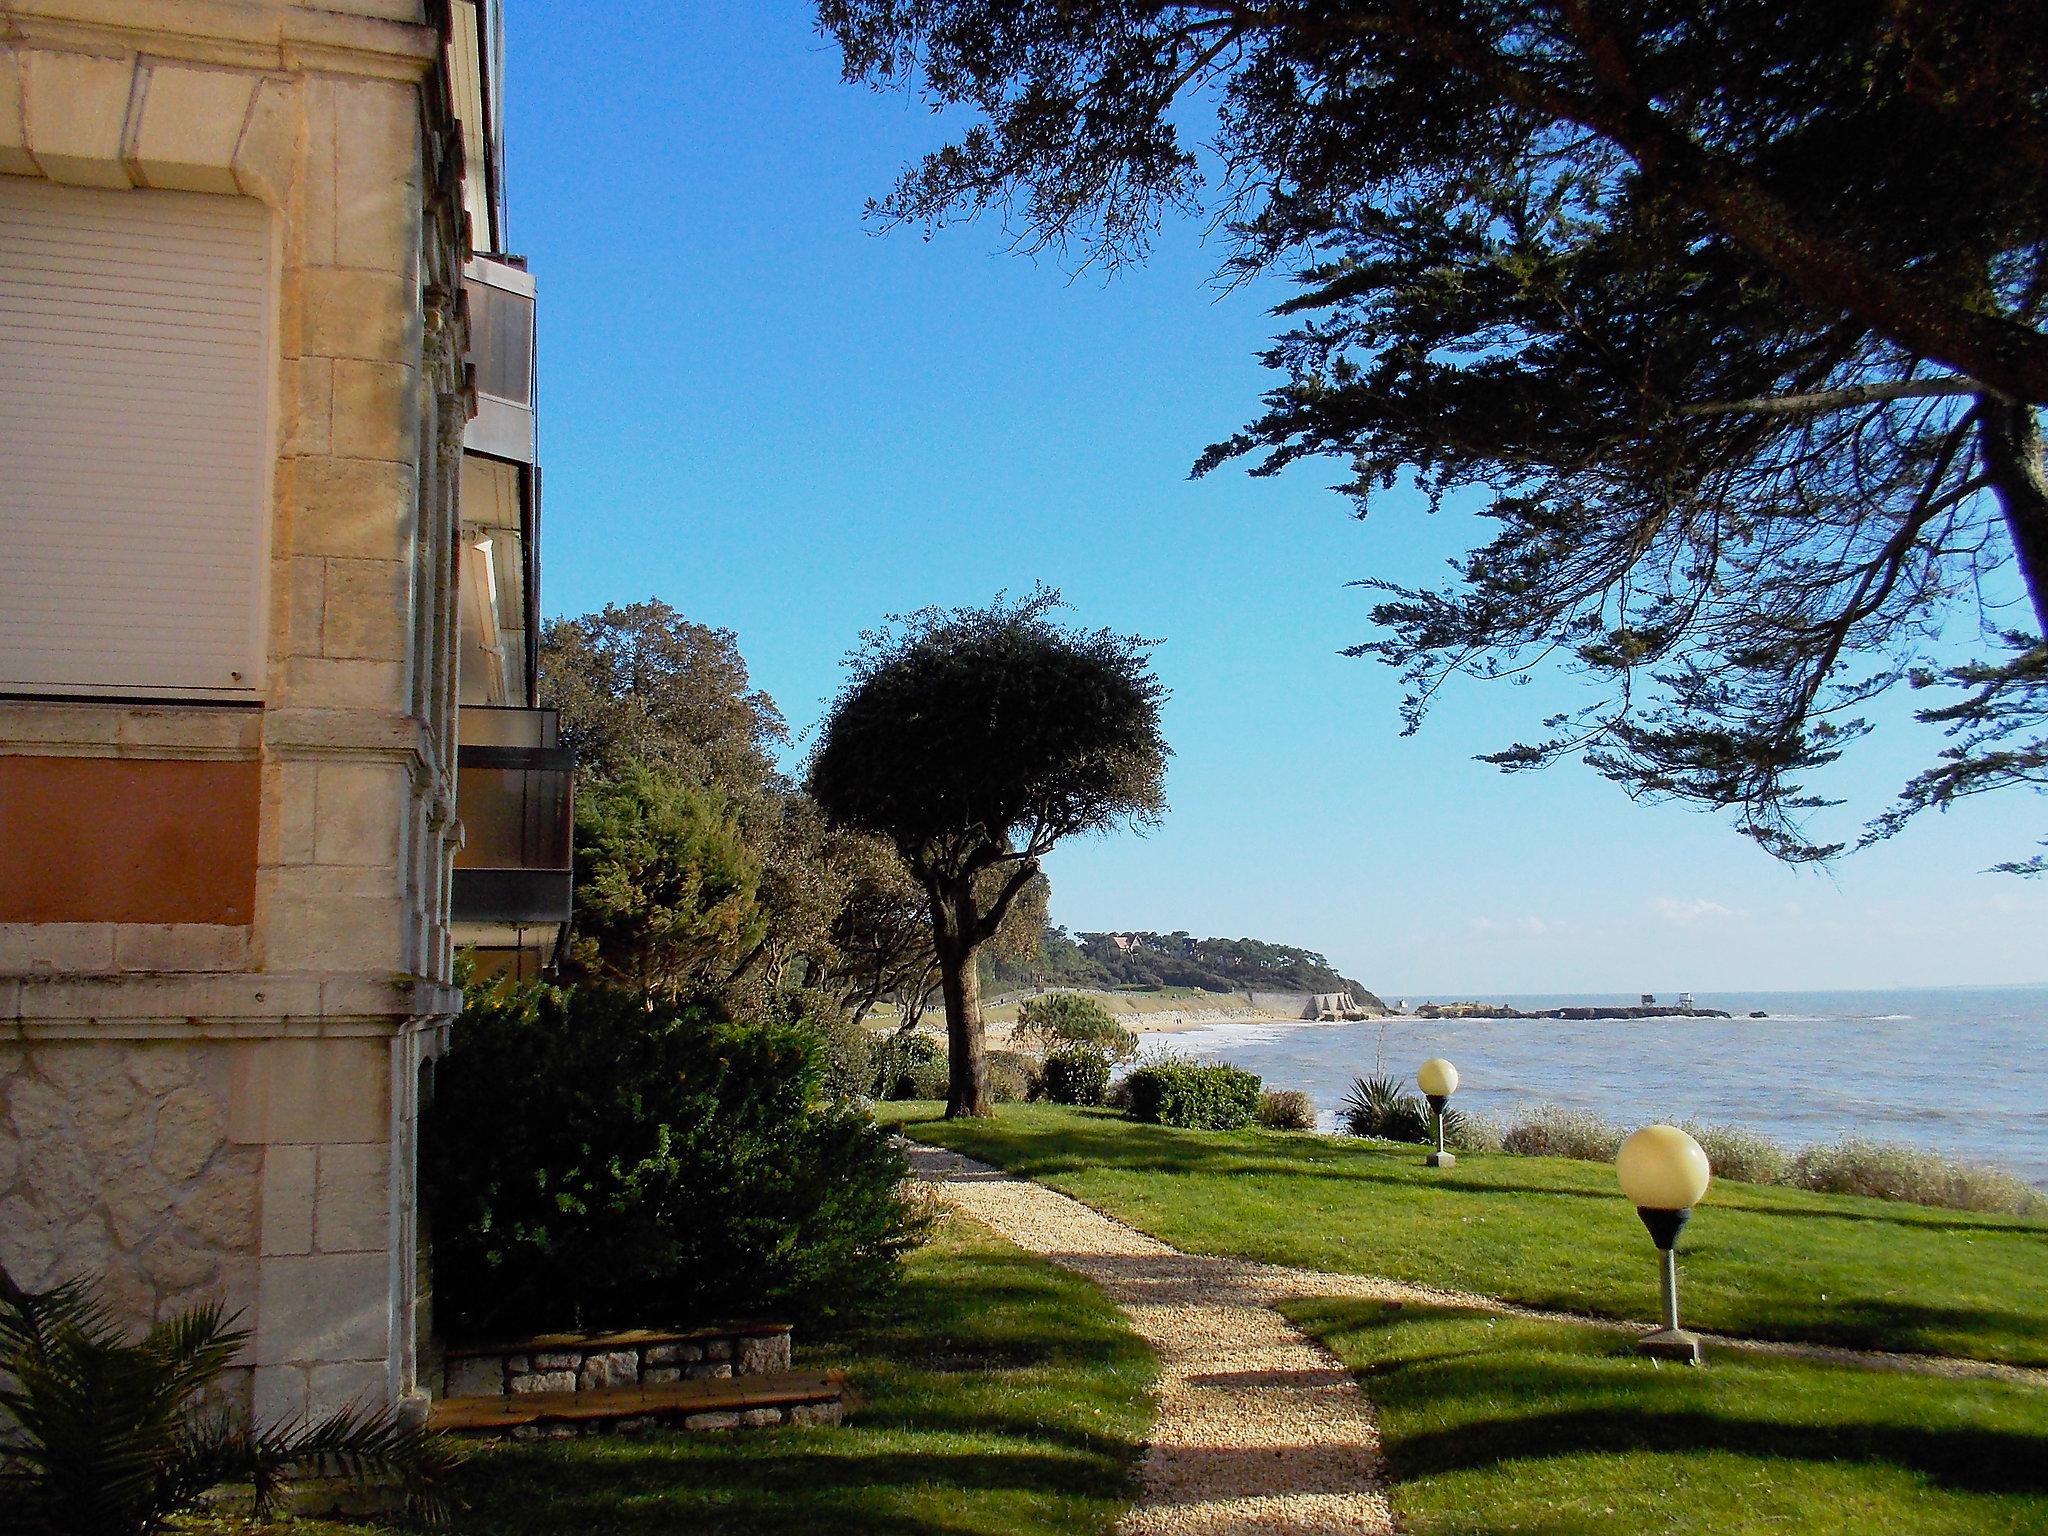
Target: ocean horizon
x=1961, y=1070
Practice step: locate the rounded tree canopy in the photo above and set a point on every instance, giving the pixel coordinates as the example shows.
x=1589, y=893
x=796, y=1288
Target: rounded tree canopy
x=968, y=733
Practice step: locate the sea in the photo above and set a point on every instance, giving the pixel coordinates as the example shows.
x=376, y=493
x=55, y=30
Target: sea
x=1963, y=1070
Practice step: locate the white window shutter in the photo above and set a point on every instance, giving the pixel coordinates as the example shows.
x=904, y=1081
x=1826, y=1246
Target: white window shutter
x=135, y=361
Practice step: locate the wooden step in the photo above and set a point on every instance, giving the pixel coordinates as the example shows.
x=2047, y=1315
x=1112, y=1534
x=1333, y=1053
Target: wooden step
x=777, y=1390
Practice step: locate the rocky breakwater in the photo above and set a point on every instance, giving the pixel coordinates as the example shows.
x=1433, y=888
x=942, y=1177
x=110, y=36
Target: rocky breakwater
x=1589, y=1011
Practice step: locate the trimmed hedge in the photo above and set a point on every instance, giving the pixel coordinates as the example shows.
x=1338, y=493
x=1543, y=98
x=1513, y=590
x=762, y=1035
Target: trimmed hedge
x=1195, y=1096
x=1076, y=1074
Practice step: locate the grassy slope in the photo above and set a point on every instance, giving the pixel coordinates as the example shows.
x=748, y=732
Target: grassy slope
x=1772, y=1263
x=1003, y=1396
x=1495, y=1424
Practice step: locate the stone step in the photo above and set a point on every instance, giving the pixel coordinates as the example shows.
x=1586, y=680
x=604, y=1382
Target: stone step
x=771, y=1397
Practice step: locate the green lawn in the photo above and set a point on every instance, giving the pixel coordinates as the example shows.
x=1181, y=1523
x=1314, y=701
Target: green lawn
x=1772, y=1263
x=1002, y=1396
x=1493, y=1424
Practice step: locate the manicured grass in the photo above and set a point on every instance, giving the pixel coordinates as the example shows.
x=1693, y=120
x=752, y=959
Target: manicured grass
x=1494, y=1424
x=1767, y=1262
x=1002, y=1396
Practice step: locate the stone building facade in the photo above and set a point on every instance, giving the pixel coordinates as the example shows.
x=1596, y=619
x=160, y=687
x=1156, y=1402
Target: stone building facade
x=231, y=630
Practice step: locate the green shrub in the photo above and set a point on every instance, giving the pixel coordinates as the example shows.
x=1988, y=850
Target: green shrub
x=1379, y=1106
x=112, y=1437
x=1067, y=1018
x=1742, y=1155
x=849, y=1050
x=1076, y=1074
x=1012, y=1077
x=907, y=1067
x=1553, y=1132
x=1287, y=1109
x=1889, y=1171
x=590, y=1163
x=1194, y=1095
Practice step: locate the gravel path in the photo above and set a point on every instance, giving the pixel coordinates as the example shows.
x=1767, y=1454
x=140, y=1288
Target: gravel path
x=1259, y=1429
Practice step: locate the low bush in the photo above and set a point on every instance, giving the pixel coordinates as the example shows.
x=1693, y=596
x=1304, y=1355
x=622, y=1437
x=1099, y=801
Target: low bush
x=1472, y=1133
x=1550, y=1131
x=591, y=1164
x=1067, y=1018
x=1379, y=1107
x=1889, y=1171
x=1287, y=1109
x=1739, y=1154
x=907, y=1067
x=1075, y=1074
x=1194, y=1095
x=1012, y=1077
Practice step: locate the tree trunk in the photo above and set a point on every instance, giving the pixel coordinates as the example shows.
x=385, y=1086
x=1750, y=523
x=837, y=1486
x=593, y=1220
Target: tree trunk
x=960, y=985
x=966, y=1061
x=2013, y=464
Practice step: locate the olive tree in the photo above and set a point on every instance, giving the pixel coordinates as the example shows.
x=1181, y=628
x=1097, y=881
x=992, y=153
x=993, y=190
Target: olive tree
x=974, y=739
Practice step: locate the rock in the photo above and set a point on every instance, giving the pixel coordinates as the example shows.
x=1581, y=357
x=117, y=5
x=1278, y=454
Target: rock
x=767, y=1352
x=557, y=1361
x=707, y=1372
x=612, y=1368
x=223, y=1210
x=718, y=1349
x=177, y=1265
x=544, y=1381
x=761, y=1418
x=712, y=1421
x=476, y=1376
x=817, y=1413
x=673, y=1354
x=188, y=1130
x=657, y=1375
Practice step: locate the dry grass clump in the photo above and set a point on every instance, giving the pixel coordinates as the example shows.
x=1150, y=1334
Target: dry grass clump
x=1553, y=1131
x=1286, y=1109
x=1889, y=1170
x=1739, y=1154
x=1473, y=1133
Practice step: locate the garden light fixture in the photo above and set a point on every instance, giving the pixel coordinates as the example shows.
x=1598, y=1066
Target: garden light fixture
x=1438, y=1080
x=1664, y=1173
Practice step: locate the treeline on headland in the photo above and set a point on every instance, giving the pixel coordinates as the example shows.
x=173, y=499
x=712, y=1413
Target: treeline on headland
x=1139, y=960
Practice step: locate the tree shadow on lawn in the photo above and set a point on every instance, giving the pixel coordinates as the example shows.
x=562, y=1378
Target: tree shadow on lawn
x=1964, y=1460
x=767, y=1481
x=1598, y=1398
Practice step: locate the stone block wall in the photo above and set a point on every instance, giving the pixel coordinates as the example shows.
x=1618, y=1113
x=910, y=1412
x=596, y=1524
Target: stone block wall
x=591, y=1362
x=115, y=1160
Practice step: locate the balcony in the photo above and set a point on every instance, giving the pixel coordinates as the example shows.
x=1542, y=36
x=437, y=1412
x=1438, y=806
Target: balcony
x=513, y=791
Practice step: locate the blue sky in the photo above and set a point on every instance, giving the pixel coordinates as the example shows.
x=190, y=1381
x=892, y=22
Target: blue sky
x=762, y=410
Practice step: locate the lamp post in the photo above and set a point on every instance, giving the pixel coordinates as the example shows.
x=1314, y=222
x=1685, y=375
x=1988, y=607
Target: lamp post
x=1438, y=1080
x=1664, y=1173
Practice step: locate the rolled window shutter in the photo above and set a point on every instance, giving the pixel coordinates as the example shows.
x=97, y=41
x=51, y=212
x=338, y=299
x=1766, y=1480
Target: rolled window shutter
x=134, y=440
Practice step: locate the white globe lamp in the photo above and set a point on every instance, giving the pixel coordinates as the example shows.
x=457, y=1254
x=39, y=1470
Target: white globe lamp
x=1665, y=1173
x=1438, y=1080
